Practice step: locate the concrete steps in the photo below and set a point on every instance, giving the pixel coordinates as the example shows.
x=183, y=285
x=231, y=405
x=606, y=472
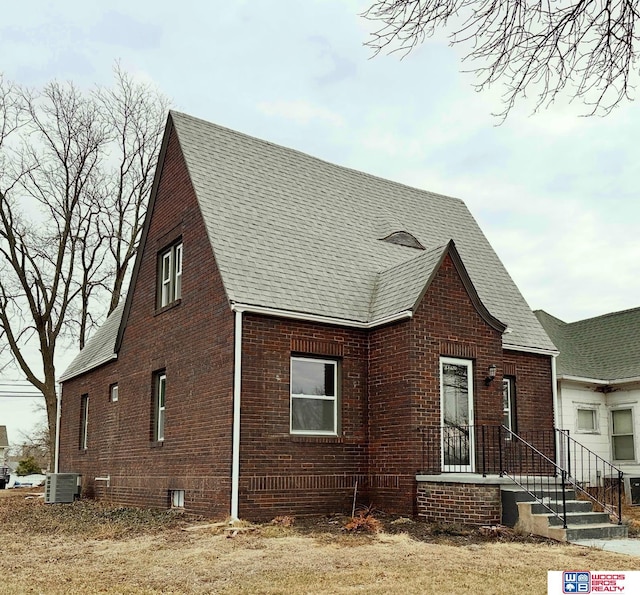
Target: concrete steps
x=521, y=510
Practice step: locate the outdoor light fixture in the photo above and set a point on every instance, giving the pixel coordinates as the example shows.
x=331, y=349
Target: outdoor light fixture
x=491, y=374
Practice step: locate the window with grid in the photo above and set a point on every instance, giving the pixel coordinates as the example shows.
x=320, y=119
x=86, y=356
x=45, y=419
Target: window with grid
x=170, y=275
x=622, y=435
x=314, y=397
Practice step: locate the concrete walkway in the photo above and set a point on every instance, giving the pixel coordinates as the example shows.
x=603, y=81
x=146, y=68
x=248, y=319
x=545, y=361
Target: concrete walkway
x=630, y=547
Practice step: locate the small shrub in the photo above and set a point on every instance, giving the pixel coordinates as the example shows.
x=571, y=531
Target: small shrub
x=364, y=522
x=283, y=521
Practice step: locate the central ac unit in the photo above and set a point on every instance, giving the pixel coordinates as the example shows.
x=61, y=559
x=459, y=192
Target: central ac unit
x=62, y=487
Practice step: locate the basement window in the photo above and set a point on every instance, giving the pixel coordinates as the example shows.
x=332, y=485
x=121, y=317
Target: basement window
x=176, y=497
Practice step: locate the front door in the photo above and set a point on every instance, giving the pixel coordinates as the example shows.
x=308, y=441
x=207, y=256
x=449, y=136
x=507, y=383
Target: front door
x=456, y=406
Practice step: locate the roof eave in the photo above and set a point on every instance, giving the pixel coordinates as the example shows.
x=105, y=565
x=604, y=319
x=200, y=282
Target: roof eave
x=599, y=381
x=452, y=251
x=308, y=317
x=65, y=377
x=145, y=231
x=531, y=349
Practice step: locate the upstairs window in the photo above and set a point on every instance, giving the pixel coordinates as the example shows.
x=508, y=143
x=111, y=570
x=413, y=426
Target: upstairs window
x=314, y=399
x=113, y=393
x=170, y=275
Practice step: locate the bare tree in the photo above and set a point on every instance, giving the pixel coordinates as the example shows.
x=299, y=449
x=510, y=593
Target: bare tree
x=136, y=115
x=59, y=218
x=541, y=47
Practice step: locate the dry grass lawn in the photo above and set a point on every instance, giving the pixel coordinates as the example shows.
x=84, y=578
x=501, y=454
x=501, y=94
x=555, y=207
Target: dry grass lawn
x=88, y=548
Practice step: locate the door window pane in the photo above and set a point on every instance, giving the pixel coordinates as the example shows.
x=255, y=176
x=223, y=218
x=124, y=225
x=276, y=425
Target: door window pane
x=455, y=388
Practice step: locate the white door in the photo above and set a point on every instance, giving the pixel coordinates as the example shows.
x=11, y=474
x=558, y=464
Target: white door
x=456, y=407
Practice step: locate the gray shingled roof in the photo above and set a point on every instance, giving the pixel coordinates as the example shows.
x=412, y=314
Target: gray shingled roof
x=4, y=440
x=293, y=232
x=602, y=348
x=99, y=349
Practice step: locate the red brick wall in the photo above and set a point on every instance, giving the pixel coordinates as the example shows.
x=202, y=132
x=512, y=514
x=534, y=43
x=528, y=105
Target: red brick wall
x=390, y=391
x=193, y=341
x=470, y=504
x=404, y=396
x=283, y=473
x=534, y=397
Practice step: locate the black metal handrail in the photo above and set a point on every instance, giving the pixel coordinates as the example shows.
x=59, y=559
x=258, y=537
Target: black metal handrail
x=591, y=475
x=479, y=449
x=536, y=473
x=541, y=462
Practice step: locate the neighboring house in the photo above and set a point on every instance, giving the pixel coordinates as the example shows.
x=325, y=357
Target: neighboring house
x=4, y=445
x=295, y=329
x=598, y=375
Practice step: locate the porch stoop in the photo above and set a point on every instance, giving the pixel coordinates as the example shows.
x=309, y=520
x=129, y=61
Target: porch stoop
x=520, y=510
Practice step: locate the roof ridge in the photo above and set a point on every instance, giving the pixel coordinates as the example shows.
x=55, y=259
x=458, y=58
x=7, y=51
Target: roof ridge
x=310, y=156
x=607, y=315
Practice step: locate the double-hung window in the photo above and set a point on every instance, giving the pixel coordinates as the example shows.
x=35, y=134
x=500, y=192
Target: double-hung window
x=160, y=390
x=170, y=275
x=314, y=396
x=622, y=435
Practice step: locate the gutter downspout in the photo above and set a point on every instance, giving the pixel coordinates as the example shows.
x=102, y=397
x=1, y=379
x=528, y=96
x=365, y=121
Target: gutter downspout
x=557, y=414
x=237, y=386
x=56, y=457
x=558, y=417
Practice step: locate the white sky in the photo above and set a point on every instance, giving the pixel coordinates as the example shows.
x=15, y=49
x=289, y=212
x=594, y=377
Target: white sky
x=556, y=194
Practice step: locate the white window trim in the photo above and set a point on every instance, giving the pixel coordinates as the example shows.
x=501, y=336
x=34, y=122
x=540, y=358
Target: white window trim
x=113, y=392
x=170, y=275
x=333, y=398
x=509, y=380
x=84, y=437
x=469, y=364
x=596, y=417
x=161, y=382
x=623, y=407
x=176, y=498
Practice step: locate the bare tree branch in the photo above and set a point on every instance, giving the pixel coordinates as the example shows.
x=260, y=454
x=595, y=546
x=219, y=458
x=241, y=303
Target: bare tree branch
x=538, y=46
x=75, y=174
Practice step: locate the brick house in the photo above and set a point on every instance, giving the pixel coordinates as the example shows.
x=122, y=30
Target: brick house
x=294, y=329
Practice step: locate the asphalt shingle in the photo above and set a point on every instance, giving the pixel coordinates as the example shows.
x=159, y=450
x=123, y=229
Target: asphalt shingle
x=602, y=348
x=292, y=232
